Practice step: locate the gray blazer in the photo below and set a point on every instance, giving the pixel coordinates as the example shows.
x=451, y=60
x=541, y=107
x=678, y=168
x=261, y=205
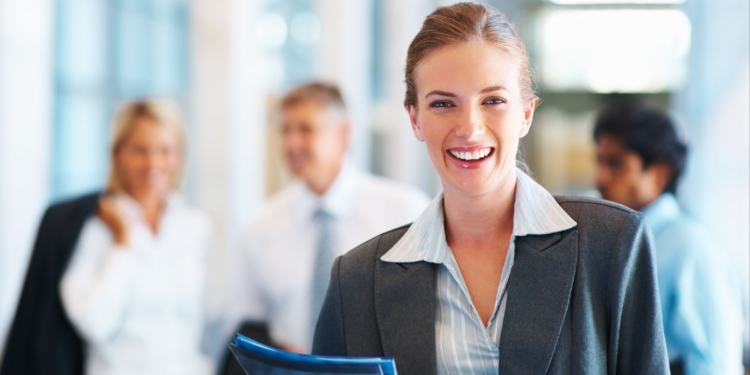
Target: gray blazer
x=581, y=301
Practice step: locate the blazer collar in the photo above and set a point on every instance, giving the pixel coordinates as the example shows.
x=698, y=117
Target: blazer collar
x=544, y=270
x=405, y=312
x=539, y=292
x=535, y=212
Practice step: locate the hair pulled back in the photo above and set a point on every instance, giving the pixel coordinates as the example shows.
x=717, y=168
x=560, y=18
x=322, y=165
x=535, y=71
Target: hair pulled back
x=461, y=23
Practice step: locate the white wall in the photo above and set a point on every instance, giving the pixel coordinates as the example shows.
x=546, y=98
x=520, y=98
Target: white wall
x=345, y=58
x=25, y=138
x=405, y=159
x=226, y=124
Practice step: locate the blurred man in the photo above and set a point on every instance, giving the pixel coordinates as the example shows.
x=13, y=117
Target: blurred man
x=288, y=249
x=640, y=162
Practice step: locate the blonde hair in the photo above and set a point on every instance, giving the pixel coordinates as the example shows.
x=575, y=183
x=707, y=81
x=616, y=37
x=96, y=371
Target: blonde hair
x=164, y=112
x=461, y=23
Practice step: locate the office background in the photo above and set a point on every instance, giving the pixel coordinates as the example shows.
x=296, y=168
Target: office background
x=66, y=64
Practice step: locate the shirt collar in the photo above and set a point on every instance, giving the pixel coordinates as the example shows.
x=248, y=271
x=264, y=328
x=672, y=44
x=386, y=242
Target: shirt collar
x=134, y=209
x=337, y=200
x=535, y=212
x=662, y=211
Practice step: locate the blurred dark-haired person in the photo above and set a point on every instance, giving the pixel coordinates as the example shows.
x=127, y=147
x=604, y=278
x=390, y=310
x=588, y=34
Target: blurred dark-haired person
x=641, y=159
x=116, y=281
x=287, y=250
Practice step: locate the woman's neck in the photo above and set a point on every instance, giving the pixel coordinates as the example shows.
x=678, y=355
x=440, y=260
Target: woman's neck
x=152, y=205
x=474, y=220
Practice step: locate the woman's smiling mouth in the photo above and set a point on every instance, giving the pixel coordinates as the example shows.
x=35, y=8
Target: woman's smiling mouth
x=470, y=155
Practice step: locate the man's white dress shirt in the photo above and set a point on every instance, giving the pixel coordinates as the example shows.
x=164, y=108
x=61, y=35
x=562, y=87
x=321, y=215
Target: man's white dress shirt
x=140, y=309
x=274, y=264
x=464, y=344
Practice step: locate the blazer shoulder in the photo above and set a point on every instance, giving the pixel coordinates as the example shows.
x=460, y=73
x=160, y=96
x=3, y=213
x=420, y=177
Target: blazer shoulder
x=83, y=205
x=583, y=208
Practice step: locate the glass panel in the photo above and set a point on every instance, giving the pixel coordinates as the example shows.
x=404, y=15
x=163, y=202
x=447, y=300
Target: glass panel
x=81, y=144
x=634, y=50
x=97, y=64
x=168, y=57
x=82, y=43
x=133, y=46
x=606, y=2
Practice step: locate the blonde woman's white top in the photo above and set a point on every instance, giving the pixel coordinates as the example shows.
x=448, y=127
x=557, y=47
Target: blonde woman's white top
x=140, y=309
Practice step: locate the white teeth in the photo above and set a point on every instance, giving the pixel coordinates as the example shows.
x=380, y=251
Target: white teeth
x=476, y=155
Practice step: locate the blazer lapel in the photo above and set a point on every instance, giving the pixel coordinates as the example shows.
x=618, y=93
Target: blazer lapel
x=405, y=311
x=538, y=297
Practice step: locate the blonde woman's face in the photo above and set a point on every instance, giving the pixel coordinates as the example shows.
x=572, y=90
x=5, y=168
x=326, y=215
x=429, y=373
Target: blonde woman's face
x=471, y=115
x=149, y=159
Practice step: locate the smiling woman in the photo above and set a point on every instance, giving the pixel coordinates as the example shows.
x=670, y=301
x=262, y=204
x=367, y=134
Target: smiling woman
x=137, y=274
x=115, y=277
x=496, y=275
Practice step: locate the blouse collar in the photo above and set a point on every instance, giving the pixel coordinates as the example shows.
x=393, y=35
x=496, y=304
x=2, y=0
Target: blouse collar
x=535, y=212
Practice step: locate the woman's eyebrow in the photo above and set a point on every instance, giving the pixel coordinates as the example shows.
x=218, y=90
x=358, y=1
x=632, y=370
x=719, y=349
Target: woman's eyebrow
x=494, y=88
x=441, y=93
x=452, y=95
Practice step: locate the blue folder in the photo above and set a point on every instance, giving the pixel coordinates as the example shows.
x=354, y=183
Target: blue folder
x=258, y=359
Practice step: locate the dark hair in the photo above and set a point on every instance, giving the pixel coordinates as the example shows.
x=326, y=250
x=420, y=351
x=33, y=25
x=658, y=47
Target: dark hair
x=326, y=94
x=462, y=23
x=647, y=131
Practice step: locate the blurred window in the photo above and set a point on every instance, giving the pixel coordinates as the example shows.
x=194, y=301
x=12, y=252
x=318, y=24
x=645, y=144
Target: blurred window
x=289, y=32
x=612, y=50
x=586, y=53
x=106, y=52
x=610, y=2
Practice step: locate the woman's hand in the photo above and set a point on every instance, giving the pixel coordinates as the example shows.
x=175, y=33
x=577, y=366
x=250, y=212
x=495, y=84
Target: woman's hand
x=114, y=218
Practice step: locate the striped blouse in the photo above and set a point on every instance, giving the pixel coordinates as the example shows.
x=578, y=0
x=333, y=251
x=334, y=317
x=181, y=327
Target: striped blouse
x=463, y=344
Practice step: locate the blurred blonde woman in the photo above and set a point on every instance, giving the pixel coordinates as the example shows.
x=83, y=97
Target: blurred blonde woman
x=134, y=287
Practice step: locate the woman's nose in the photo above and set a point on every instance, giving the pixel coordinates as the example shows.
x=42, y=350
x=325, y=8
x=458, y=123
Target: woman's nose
x=470, y=124
x=153, y=159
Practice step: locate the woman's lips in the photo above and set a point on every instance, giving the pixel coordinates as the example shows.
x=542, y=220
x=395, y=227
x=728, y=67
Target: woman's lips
x=470, y=157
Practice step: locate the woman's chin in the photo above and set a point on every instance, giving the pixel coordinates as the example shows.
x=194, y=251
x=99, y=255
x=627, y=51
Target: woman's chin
x=470, y=187
x=149, y=190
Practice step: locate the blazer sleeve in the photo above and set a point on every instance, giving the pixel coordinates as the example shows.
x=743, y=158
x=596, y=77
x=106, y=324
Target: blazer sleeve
x=637, y=344
x=329, y=332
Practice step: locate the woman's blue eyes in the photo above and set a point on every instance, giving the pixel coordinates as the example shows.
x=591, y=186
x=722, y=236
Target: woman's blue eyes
x=494, y=101
x=445, y=104
x=441, y=104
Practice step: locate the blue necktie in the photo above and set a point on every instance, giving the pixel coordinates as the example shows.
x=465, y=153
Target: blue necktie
x=324, y=257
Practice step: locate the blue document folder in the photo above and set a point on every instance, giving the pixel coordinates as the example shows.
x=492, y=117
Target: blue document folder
x=258, y=359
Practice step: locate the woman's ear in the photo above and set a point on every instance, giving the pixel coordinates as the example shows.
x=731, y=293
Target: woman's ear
x=528, y=116
x=414, y=125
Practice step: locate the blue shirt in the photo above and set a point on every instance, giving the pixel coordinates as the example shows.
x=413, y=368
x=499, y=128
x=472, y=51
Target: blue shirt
x=700, y=293
x=463, y=344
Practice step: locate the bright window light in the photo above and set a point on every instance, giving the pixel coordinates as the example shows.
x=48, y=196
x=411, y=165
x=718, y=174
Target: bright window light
x=271, y=30
x=606, y=2
x=615, y=50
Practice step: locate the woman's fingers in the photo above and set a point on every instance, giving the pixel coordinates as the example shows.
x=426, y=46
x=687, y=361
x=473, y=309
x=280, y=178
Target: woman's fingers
x=114, y=218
